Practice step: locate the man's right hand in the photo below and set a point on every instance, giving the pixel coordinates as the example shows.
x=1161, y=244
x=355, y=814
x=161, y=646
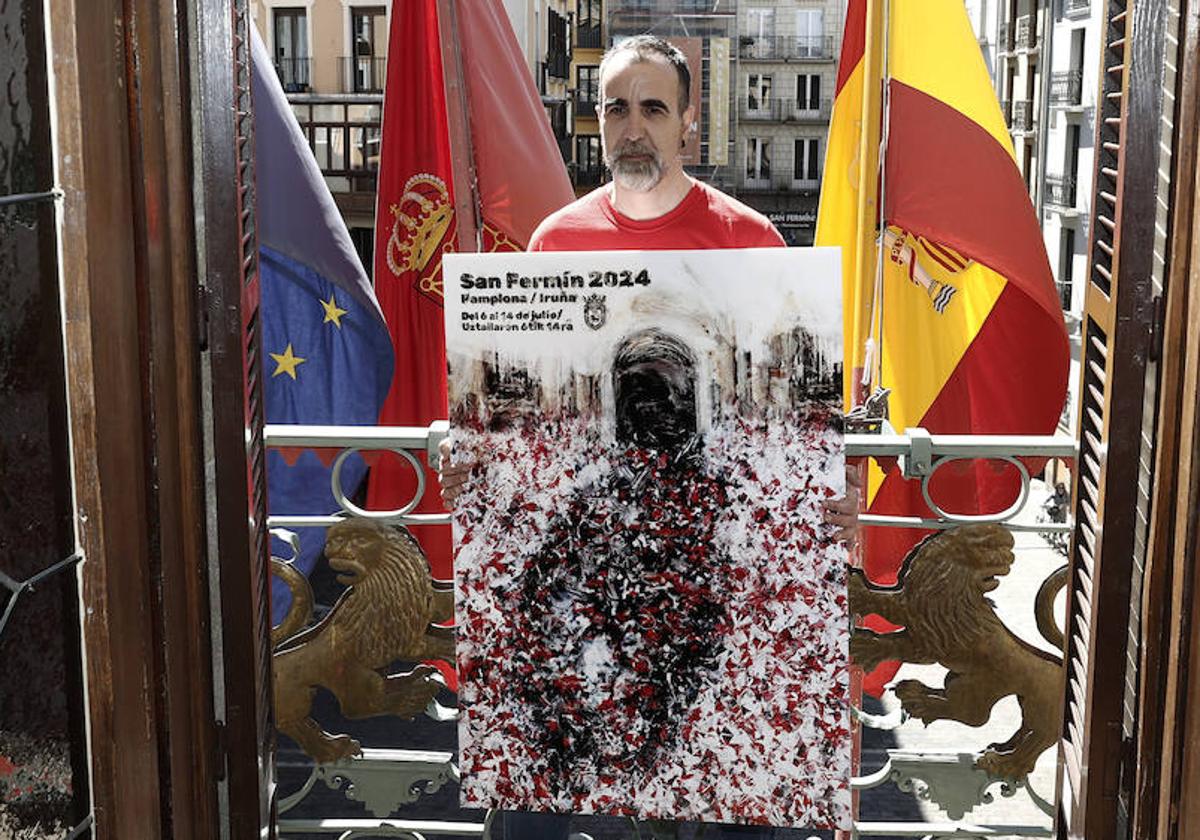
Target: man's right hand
x=452, y=477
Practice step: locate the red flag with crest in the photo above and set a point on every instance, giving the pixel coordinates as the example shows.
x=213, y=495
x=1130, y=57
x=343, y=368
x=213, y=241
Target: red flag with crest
x=502, y=137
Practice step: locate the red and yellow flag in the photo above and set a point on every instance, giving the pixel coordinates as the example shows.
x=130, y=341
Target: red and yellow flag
x=959, y=311
x=520, y=176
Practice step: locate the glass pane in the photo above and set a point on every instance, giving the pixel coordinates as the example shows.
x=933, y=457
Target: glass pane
x=337, y=183
x=337, y=148
x=379, y=35
x=321, y=146
x=43, y=781
x=283, y=35
x=357, y=152
x=328, y=113
x=373, y=138
x=24, y=116
x=364, y=113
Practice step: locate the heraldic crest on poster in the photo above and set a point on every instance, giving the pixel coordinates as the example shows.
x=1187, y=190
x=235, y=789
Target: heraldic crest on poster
x=652, y=618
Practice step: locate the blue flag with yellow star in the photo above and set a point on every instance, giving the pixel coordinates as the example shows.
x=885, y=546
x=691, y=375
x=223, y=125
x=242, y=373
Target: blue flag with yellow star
x=327, y=353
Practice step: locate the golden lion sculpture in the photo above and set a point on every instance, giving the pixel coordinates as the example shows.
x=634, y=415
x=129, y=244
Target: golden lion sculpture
x=940, y=601
x=386, y=614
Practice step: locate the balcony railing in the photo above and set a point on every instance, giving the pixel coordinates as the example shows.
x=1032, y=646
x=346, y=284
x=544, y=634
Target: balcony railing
x=295, y=74
x=785, y=48
x=1060, y=191
x=1066, y=89
x=809, y=110
x=588, y=37
x=585, y=102
x=1026, y=32
x=1064, y=294
x=558, y=64
x=1004, y=39
x=345, y=138
x=1021, y=116
x=587, y=176
x=363, y=73
x=948, y=776
x=783, y=180
x=758, y=109
x=1077, y=7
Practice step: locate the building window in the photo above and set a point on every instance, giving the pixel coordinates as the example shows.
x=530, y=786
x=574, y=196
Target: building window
x=557, y=114
x=808, y=92
x=587, y=89
x=587, y=24
x=588, y=12
x=759, y=37
x=588, y=168
x=758, y=92
x=810, y=33
x=1066, y=267
x=366, y=66
x=558, y=46
x=345, y=139
x=292, y=59
x=806, y=166
x=758, y=162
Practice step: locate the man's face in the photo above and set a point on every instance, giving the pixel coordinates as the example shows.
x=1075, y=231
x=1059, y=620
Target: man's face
x=641, y=128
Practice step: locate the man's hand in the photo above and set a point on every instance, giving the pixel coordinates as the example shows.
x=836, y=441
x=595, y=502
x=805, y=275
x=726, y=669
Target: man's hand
x=842, y=512
x=452, y=477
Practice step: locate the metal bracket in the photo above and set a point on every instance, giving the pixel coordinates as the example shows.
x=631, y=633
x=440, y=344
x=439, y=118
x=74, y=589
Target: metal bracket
x=918, y=461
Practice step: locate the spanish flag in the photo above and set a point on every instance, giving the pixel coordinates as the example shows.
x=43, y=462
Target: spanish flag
x=949, y=298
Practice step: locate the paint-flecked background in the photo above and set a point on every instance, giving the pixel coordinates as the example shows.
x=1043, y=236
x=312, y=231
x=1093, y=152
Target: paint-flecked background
x=649, y=631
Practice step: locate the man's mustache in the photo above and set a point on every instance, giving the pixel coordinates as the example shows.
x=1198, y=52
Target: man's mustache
x=635, y=149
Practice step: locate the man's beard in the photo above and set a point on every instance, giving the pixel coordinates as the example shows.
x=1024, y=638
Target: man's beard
x=636, y=175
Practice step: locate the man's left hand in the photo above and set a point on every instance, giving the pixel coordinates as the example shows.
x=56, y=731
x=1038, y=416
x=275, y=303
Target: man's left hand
x=843, y=513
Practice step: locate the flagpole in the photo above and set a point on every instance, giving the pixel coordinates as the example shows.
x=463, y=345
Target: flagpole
x=467, y=211
x=885, y=125
x=868, y=185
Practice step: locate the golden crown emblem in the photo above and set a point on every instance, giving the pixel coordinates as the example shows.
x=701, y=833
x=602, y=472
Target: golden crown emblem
x=421, y=221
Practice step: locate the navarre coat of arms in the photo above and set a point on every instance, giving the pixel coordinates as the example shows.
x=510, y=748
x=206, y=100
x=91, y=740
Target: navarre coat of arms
x=421, y=233
x=595, y=311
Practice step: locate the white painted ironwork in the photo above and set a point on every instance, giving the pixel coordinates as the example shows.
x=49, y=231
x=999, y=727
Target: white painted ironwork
x=922, y=454
x=386, y=779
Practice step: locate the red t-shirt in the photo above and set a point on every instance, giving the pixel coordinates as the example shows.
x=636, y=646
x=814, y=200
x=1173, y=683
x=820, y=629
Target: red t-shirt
x=706, y=218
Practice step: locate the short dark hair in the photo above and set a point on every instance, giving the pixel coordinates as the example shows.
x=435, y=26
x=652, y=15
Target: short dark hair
x=645, y=46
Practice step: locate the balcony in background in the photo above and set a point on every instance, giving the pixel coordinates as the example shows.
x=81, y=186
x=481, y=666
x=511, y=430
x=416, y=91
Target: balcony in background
x=1066, y=89
x=587, y=176
x=1077, y=7
x=1027, y=34
x=758, y=109
x=295, y=74
x=585, y=103
x=1060, y=191
x=811, y=110
x=785, y=48
x=363, y=73
x=1021, y=116
x=589, y=37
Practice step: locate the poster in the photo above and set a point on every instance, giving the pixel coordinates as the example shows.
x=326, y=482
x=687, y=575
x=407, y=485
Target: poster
x=652, y=620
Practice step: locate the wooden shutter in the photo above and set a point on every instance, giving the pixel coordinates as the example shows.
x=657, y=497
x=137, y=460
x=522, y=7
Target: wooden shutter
x=1116, y=429
x=238, y=503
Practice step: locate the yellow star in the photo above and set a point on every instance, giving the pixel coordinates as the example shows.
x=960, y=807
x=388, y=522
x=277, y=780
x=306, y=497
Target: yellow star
x=287, y=361
x=332, y=311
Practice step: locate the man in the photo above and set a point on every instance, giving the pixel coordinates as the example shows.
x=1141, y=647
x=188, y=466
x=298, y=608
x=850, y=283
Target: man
x=651, y=204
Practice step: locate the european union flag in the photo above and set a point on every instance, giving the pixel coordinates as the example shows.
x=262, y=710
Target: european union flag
x=327, y=355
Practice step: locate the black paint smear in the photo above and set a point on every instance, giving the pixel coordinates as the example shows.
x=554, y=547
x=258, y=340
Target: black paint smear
x=632, y=560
